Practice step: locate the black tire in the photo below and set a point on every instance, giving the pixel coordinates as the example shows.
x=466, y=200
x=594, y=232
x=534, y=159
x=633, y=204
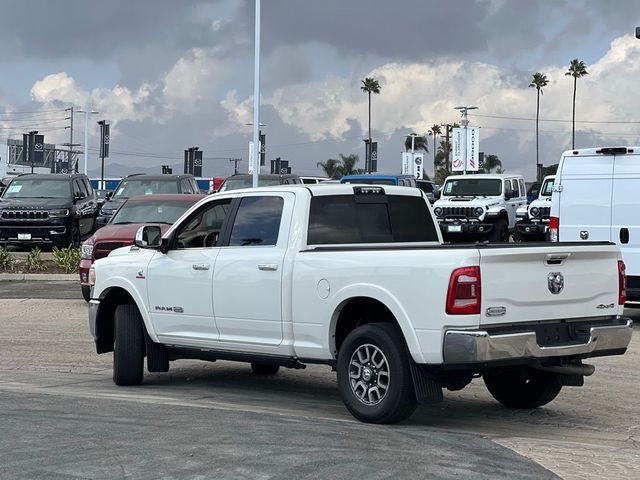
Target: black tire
x=398, y=401
x=517, y=237
x=523, y=387
x=86, y=293
x=264, y=369
x=128, y=353
x=500, y=232
x=74, y=235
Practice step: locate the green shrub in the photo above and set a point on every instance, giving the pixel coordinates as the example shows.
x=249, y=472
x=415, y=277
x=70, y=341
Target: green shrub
x=67, y=258
x=34, y=261
x=6, y=259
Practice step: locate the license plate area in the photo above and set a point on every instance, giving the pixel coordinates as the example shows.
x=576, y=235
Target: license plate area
x=454, y=228
x=24, y=236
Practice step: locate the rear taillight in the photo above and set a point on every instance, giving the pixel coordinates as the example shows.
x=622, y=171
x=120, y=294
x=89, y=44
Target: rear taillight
x=463, y=295
x=554, y=229
x=622, y=283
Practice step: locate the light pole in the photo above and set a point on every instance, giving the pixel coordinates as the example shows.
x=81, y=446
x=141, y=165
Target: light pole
x=464, y=110
x=261, y=146
x=86, y=112
x=256, y=97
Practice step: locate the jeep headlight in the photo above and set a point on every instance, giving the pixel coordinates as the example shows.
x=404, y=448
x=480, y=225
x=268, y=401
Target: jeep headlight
x=87, y=251
x=478, y=211
x=64, y=212
x=438, y=211
x=534, y=212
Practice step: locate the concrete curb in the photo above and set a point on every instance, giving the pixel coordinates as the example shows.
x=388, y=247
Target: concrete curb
x=49, y=277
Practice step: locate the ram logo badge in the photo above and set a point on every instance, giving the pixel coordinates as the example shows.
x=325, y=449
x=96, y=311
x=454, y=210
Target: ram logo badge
x=160, y=308
x=602, y=306
x=555, y=282
x=584, y=235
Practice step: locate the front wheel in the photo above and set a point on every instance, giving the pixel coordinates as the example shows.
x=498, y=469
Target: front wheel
x=374, y=375
x=500, y=232
x=128, y=352
x=523, y=387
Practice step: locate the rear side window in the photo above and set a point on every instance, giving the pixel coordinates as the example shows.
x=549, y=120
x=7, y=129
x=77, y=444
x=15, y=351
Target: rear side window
x=342, y=219
x=257, y=221
x=522, y=189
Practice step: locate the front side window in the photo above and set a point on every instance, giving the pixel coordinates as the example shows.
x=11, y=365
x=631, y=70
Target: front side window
x=257, y=221
x=547, y=188
x=204, y=227
x=344, y=219
x=38, y=188
x=472, y=187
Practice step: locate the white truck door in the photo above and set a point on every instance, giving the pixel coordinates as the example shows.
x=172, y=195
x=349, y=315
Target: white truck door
x=625, y=217
x=247, y=293
x=179, y=282
x=513, y=203
x=585, y=199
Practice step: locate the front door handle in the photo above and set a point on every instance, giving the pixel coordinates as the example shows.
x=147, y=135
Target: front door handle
x=268, y=267
x=200, y=266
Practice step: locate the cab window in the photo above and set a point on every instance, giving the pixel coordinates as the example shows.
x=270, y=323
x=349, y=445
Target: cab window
x=204, y=227
x=257, y=221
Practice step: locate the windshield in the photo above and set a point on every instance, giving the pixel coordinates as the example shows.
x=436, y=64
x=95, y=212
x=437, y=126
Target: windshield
x=140, y=186
x=547, y=188
x=247, y=182
x=473, y=187
x=154, y=211
x=43, y=188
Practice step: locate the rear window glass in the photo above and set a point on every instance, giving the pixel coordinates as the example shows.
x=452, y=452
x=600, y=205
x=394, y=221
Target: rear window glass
x=340, y=219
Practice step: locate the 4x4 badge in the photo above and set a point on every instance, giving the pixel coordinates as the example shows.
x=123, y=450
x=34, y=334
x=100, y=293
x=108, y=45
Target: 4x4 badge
x=555, y=282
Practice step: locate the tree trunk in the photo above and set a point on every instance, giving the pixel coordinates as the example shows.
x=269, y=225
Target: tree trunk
x=369, y=152
x=573, y=121
x=537, y=138
x=434, y=157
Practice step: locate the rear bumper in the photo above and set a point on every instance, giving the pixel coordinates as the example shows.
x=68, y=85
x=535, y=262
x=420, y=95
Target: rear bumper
x=479, y=346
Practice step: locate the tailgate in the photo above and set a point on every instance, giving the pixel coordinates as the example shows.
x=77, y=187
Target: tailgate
x=528, y=283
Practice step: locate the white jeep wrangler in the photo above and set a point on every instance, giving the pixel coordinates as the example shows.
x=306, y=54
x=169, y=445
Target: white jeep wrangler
x=479, y=206
x=532, y=221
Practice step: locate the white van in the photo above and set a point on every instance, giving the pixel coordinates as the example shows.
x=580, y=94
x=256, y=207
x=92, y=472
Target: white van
x=596, y=197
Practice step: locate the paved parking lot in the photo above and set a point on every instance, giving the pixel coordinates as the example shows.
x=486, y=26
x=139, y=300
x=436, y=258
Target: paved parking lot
x=62, y=417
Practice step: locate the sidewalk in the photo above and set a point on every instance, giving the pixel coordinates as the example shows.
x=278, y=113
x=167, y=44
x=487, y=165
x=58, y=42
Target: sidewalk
x=48, y=277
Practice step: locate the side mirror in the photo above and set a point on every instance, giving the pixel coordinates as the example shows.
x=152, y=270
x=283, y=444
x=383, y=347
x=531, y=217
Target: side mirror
x=437, y=194
x=108, y=195
x=149, y=236
x=79, y=196
x=508, y=194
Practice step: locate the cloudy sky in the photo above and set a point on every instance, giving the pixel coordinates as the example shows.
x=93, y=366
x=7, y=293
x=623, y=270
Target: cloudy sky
x=170, y=74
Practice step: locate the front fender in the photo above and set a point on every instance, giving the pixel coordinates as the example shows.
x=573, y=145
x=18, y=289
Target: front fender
x=385, y=297
x=132, y=290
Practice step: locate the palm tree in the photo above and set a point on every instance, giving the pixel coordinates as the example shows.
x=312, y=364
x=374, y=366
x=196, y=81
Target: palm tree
x=336, y=169
x=577, y=69
x=420, y=143
x=434, y=131
x=492, y=162
x=370, y=85
x=538, y=81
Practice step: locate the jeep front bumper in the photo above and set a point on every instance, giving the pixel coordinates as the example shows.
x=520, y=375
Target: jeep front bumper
x=481, y=346
x=469, y=228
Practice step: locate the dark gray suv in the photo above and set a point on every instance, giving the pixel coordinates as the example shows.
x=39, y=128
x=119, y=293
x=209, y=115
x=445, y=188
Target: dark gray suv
x=57, y=209
x=143, y=184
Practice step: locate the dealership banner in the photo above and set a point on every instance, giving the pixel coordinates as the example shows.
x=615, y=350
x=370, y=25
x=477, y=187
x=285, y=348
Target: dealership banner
x=457, y=158
x=458, y=161
x=473, y=149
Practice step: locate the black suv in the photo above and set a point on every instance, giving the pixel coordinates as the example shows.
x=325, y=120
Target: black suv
x=235, y=182
x=56, y=209
x=143, y=184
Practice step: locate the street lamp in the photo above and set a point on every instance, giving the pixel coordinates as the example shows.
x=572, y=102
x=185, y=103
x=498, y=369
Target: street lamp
x=86, y=112
x=256, y=96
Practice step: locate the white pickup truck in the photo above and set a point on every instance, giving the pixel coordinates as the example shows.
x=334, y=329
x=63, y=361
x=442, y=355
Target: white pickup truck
x=357, y=277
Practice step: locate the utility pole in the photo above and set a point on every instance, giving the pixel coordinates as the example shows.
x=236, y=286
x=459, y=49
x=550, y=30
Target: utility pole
x=69, y=158
x=235, y=164
x=464, y=111
x=256, y=97
x=32, y=140
x=102, y=124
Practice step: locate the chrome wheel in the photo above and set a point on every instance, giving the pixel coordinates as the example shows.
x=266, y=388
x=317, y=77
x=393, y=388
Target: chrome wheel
x=369, y=374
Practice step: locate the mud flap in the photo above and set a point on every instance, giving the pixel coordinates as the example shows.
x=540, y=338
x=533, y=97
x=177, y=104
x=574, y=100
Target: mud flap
x=157, y=356
x=426, y=388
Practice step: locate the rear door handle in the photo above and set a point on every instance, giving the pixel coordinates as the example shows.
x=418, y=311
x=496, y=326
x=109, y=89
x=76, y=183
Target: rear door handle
x=624, y=235
x=200, y=266
x=268, y=267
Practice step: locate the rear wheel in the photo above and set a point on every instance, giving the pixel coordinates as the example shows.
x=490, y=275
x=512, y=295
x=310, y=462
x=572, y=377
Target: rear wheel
x=500, y=232
x=128, y=352
x=264, y=369
x=86, y=293
x=374, y=375
x=523, y=387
